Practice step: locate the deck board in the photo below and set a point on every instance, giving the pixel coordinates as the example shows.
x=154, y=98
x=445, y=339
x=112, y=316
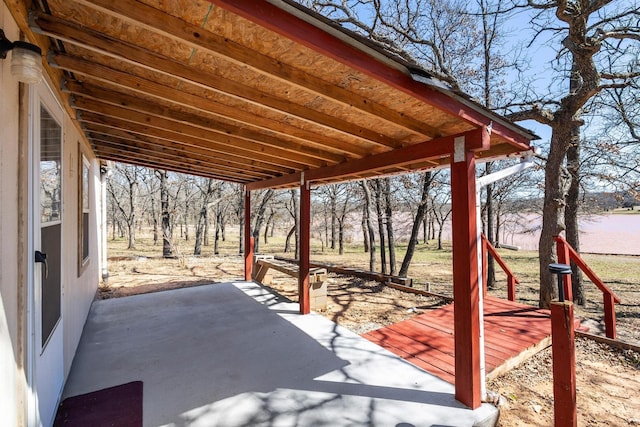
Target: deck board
x=427, y=339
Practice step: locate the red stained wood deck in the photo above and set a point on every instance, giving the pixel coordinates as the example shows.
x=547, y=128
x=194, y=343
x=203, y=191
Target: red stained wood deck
x=512, y=331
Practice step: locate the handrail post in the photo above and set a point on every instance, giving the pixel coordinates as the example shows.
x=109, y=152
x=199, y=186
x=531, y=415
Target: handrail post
x=511, y=287
x=563, y=352
x=566, y=252
x=609, y=315
x=564, y=257
x=488, y=249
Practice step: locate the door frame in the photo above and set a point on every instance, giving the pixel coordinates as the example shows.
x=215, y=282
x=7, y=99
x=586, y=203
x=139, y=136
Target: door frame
x=37, y=95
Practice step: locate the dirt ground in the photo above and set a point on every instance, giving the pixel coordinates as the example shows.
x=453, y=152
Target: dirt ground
x=608, y=380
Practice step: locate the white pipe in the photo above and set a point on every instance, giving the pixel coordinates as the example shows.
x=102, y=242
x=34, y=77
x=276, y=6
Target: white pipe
x=526, y=163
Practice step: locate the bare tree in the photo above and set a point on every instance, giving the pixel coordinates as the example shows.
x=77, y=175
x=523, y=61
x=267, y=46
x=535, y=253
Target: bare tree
x=418, y=220
x=291, y=206
x=207, y=188
x=594, y=40
x=123, y=184
x=264, y=197
x=367, y=220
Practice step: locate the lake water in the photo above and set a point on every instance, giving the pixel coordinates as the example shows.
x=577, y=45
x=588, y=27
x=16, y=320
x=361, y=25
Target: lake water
x=607, y=234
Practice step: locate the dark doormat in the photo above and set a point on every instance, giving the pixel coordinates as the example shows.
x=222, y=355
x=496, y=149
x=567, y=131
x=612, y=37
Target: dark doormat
x=119, y=406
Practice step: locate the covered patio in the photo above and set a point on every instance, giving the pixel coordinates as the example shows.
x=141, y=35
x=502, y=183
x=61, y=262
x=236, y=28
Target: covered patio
x=235, y=354
x=268, y=94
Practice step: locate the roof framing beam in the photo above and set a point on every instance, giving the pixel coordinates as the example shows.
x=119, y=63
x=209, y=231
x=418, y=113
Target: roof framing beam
x=115, y=48
x=118, y=156
x=129, y=82
x=326, y=42
x=241, y=147
x=142, y=129
x=137, y=104
x=474, y=140
x=195, y=36
x=167, y=153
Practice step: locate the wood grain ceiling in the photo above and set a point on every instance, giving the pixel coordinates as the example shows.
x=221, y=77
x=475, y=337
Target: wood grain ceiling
x=195, y=87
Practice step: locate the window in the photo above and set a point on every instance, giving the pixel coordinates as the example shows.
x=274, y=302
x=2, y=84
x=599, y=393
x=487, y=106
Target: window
x=83, y=213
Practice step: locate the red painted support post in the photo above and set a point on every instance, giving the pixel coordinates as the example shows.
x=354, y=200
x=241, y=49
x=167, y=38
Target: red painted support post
x=511, y=288
x=564, y=365
x=305, y=237
x=248, y=240
x=562, y=249
x=465, y=277
x=609, y=315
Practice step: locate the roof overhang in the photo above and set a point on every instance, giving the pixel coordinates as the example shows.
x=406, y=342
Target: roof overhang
x=250, y=91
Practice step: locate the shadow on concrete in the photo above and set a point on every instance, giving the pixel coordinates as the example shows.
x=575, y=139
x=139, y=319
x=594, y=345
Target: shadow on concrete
x=235, y=354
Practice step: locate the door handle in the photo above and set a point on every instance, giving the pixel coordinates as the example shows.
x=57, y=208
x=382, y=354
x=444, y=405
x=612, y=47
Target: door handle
x=42, y=257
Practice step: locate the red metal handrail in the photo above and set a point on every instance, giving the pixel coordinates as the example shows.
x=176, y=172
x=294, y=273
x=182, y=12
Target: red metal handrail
x=512, y=280
x=566, y=254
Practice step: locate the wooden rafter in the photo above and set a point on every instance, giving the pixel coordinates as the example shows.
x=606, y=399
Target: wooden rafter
x=233, y=155
x=325, y=43
x=195, y=36
x=174, y=154
x=269, y=154
x=212, y=124
x=261, y=86
x=158, y=63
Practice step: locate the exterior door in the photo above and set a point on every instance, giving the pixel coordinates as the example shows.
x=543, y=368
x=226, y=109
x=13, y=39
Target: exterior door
x=46, y=193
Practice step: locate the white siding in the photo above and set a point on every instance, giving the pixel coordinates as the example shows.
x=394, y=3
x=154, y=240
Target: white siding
x=78, y=291
x=9, y=353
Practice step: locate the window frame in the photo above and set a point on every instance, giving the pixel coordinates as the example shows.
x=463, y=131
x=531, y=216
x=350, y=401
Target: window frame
x=84, y=211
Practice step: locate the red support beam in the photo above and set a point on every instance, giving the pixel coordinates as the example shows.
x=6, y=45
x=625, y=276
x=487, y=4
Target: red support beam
x=327, y=41
x=248, y=240
x=465, y=276
x=305, y=237
x=564, y=365
x=478, y=140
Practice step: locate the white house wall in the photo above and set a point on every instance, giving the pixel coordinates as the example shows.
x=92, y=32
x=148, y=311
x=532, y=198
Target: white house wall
x=78, y=290
x=12, y=377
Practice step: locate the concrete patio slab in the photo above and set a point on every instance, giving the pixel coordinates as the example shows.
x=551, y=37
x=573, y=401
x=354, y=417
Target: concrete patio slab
x=235, y=354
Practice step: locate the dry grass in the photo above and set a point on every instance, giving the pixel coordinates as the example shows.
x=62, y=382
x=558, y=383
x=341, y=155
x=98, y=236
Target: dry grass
x=430, y=268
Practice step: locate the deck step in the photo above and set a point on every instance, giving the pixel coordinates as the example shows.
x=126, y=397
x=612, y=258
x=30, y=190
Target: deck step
x=513, y=332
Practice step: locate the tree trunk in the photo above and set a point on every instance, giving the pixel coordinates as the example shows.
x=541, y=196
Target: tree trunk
x=440, y=228
x=571, y=213
x=389, y=218
x=205, y=233
x=131, y=221
x=553, y=209
x=266, y=227
x=155, y=221
x=167, y=250
x=332, y=198
x=260, y=219
x=186, y=221
x=381, y=231
x=287, y=241
x=341, y=236
x=370, y=232
x=417, y=222
x=365, y=232
x=425, y=230
x=131, y=229
x=200, y=230
x=491, y=265
x=216, y=240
